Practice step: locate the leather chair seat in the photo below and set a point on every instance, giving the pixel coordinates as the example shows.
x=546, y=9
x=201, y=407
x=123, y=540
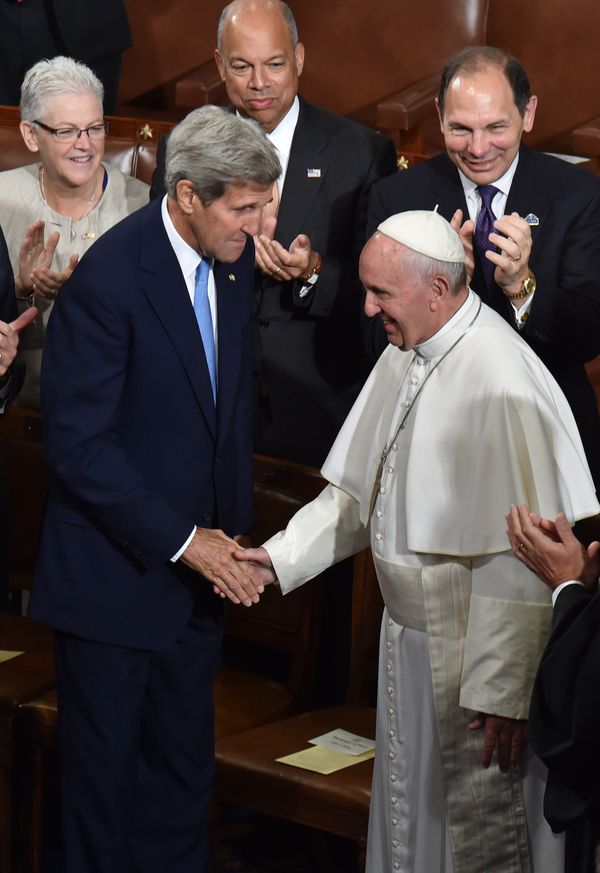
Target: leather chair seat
x=247, y=769
x=21, y=678
x=244, y=700
x=21, y=634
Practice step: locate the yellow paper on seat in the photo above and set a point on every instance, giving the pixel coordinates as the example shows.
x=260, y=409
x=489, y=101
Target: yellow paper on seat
x=5, y=655
x=325, y=761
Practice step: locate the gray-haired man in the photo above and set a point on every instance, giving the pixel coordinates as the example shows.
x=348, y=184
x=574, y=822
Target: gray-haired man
x=146, y=405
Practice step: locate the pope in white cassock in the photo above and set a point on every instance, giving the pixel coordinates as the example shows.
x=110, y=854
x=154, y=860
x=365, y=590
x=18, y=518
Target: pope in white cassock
x=458, y=420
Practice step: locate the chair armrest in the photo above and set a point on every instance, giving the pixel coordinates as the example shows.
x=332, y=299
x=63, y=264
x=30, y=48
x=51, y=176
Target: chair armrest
x=405, y=109
x=585, y=139
x=200, y=86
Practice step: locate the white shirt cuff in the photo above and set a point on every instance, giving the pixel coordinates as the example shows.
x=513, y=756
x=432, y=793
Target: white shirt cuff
x=522, y=313
x=178, y=554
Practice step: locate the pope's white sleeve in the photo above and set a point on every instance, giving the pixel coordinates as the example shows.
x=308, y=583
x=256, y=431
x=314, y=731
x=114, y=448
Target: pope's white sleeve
x=325, y=531
x=510, y=615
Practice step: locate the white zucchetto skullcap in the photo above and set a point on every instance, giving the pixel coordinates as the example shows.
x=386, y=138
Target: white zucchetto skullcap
x=427, y=233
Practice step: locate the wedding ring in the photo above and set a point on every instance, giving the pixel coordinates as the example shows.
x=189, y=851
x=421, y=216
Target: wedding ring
x=278, y=270
x=522, y=547
x=518, y=258
x=0, y=356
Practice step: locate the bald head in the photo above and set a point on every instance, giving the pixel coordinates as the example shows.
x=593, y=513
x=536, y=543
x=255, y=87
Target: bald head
x=259, y=59
x=269, y=6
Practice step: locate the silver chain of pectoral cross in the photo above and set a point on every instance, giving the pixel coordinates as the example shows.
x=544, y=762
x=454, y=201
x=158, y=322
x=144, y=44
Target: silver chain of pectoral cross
x=387, y=449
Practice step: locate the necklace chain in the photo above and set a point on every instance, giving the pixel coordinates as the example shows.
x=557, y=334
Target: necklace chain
x=88, y=206
x=387, y=449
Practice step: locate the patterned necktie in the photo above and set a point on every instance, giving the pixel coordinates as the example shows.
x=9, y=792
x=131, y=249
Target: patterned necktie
x=483, y=228
x=204, y=319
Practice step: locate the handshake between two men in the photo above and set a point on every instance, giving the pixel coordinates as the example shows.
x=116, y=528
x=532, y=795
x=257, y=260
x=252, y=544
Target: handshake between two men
x=236, y=573
x=548, y=548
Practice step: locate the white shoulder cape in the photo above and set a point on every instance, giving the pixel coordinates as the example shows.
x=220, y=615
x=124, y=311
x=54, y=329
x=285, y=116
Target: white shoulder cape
x=491, y=427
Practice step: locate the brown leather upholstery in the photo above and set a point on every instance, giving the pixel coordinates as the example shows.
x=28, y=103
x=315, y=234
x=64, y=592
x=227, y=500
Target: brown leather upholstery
x=21, y=679
x=201, y=86
x=282, y=629
x=559, y=52
x=130, y=145
x=31, y=673
x=247, y=770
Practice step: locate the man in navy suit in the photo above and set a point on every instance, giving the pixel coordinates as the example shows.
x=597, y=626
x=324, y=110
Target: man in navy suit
x=535, y=252
x=564, y=720
x=146, y=404
x=309, y=366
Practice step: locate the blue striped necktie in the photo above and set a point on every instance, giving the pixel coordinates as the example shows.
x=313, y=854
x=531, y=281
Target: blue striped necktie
x=204, y=319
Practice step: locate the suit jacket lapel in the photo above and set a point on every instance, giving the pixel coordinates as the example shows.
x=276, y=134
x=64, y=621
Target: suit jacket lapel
x=166, y=292
x=228, y=321
x=308, y=152
x=529, y=195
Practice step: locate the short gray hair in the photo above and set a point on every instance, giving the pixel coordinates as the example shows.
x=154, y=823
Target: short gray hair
x=53, y=78
x=285, y=10
x=214, y=148
x=425, y=269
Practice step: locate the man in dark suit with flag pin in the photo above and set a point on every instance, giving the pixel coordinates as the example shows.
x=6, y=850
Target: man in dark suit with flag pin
x=308, y=364
x=530, y=222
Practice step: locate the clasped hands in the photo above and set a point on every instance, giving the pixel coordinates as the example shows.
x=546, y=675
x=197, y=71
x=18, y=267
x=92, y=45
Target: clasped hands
x=514, y=243
x=35, y=260
x=278, y=262
x=238, y=574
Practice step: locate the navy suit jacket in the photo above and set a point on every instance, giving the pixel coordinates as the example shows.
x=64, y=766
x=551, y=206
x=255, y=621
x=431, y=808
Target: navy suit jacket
x=563, y=327
x=564, y=719
x=309, y=365
x=92, y=32
x=309, y=362
x=136, y=450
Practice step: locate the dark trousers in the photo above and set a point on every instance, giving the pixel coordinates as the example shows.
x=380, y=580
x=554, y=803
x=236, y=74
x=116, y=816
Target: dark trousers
x=28, y=33
x=136, y=747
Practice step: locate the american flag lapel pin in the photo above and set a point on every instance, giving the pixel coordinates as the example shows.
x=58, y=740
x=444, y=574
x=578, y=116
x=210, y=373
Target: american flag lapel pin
x=532, y=220
x=313, y=173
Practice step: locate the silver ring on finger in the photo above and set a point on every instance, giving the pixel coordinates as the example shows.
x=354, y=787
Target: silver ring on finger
x=278, y=270
x=522, y=547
